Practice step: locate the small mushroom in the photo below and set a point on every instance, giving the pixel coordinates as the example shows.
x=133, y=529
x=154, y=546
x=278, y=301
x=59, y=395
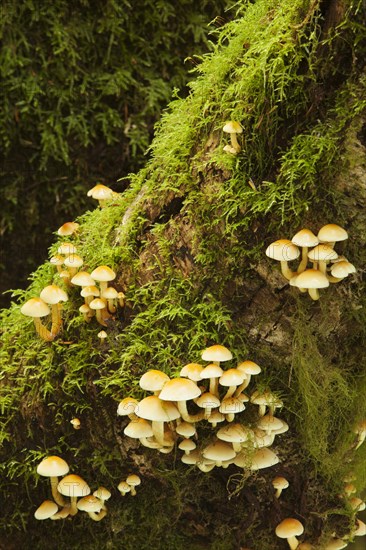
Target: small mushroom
x=181, y=390
x=279, y=483
x=289, y=529
x=233, y=128
x=67, y=229
x=124, y=488
x=304, y=239
x=332, y=233
x=76, y=424
x=283, y=251
x=100, y=308
x=101, y=193
x=133, y=481
x=93, y=507
x=47, y=509
x=103, y=274
x=37, y=308
x=312, y=280
x=360, y=431
x=53, y=295
x=73, y=486
x=53, y=467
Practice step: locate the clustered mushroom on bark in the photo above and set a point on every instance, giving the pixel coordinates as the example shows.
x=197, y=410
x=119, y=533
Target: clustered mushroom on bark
x=326, y=265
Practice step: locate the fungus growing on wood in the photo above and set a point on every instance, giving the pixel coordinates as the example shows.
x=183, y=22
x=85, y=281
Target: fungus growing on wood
x=101, y=193
x=153, y=380
x=127, y=407
x=218, y=451
x=192, y=371
x=37, y=308
x=47, y=509
x=159, y=412
x=283, y=251
x=233, y=128
x=73, y=263
x=110, y=294
x=312, y=280
x=67, y=229
x=236, y=434
x=53, y=467
x=58, y=261
x=230, y=407
x=181, y=390
x=304, y=239
x=231, y=378
x=279, y=483
x=93, y=507
x=332, y=233
x=103, y=274
x=100, y=308
x=217, y=354
x=187, y=445
x=321, y=255
x=289, y=529
x=87, y=312
x=141, y=429
x=207, y=401
x=212, y=372
x=73, y=486
x=54, y=295
x=249, y=368
x=133, y=481
x=84, y=279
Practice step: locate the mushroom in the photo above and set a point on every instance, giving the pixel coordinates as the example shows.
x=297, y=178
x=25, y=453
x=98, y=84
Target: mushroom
x=360, y=431
x=229, y=149
x=103, y=494
x=154, y=409
x=231, y=378
x=263, y=458
x=230, y=407
x=249, y=368
x=218, y=451
x=207, y=401
x=47, y=509
x=66, y=249
x=233, y=127
x=54, y=295
x=53, y=467
x=217, y=354
x=180, y=390
x=102, y=335
x=153, y=380
x=305, y=239
x=58, y=261
x=133, y=481
x=289, y=529
x=124, y=488
x=67, y=229
x=84, y=279
x=312, y=280
x=332, y=233
x=141, y=429
x=336, y=544
x=186, y=429
x=87, y=312
x=357, y=504
x=93, y=507
x=340, y=270
x=266, y=399
x=279, y=483
x=88, y=292
x=76, y=424
x=37, y=308
x=100, y=308
x=101, y=193
x=283, y=251
x=321, y=255
x=110, y=294
x=236, y=434
x=187, y=445
x=192, y=371
x=127, y=407
x=73, y=262
x=103, y=274
x=212, y=372
x=73, y=486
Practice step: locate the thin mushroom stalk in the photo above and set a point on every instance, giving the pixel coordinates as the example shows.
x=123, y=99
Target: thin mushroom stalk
x=43, y=331
x=56, y=319
x=57, y=497
x=98, y=516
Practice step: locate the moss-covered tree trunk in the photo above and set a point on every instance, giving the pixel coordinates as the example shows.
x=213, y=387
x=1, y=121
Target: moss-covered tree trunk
x=188, y=240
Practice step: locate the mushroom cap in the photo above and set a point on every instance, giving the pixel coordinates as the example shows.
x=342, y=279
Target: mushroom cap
x=249, y=367
x=74, y=260
x=342, y=269
x=100, y=192
x=207, y=401
x=280, y=482
x=269, y=423
x=232, y=377
x=57, y=260
x=323, y=253
x=216, y=417
x=83, y=278
x=110, y=293
x=90, y=503
x=332, y=233
x=336, y=544
x=266, y=398
x=192, y=371
x=76, y=423
x=360, y=528
x=218, y=451
x=97, y=303
x=124, y=487
x=127, y=406
x=282, y=250
x=73, y=485
x=193, y=457
x=263, y=458
x=90, y=290
x=211, y=371
x=35, y=307
x=289, y=527
x=138, y=428
x=310, y=278
x=133, y=480
x=103, y=273
x=357, y=504
x=102, y=334
x=187, y=445
x=231, y=405
x=66, y=249
x=52, y=466
x=102, y=493
x=233, y=127
x=305, y=237
x=85, y=309
x=153, y=380
x=216, y=352
x=68, y=228
x=47, y=509
x=153, y=408
x=185, y=429
x=179, y=389
x=235, y=433
x=53, y=294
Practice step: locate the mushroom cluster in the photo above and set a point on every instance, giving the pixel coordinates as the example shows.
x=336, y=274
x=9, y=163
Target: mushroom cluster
x=318, y=250
x=73, y=487
x=207, y=394
x=129, y=485
x=37, y=308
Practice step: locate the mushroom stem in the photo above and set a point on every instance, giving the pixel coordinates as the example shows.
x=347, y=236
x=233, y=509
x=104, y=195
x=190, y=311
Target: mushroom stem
x=243, y=385
x=230, y=392
x=103, y=286
x=73, y=507
x=158, y=431
x=182, y=408
x=235, y=143
x=286, y=271
x=322, y=267
x=57, y=497
x=43, y=331
x=150, y=444
x=100, y=317
x=97, y=517
x=313, y=293
x=56, y=319
x=332, y=279
x=293, y=542
x=304, y=260
x=111, y=307
x=214, y=386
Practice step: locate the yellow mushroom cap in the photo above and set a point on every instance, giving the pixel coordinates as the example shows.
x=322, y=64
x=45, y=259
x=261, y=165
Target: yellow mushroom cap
x=74, y=260
x=216, y=352
x=102, y=493
x=90, y=503
x=52, y=466
x=127, y=406
x=211, y=371
x=235, y=433
x=73, y=486
x=192, y=371
x=101, y=192
x=282, y=250
x=232, y=377
x=47, y=509
x=232, y=127
x=280, y=482
x=67, y=229
x=263, y=458
x=305, y=237
x=138, y=428
x=83, y=278
x=311, y=278
x=35, y=307
x=322, y=253
x=53, y=294
x=103, y=273
x=289, y=527
x=124, y=487
x=66, y=249
x=219, y=451
x=133, y=480
x=249, y=367
x=332, y=233
x=342, y=269
x=179, y=389
x=153, y=380
x=97, y=303
x=110, y=293
x=152, y=408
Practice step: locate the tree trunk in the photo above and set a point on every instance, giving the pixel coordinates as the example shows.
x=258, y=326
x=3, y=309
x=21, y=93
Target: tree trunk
x=188, y=241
